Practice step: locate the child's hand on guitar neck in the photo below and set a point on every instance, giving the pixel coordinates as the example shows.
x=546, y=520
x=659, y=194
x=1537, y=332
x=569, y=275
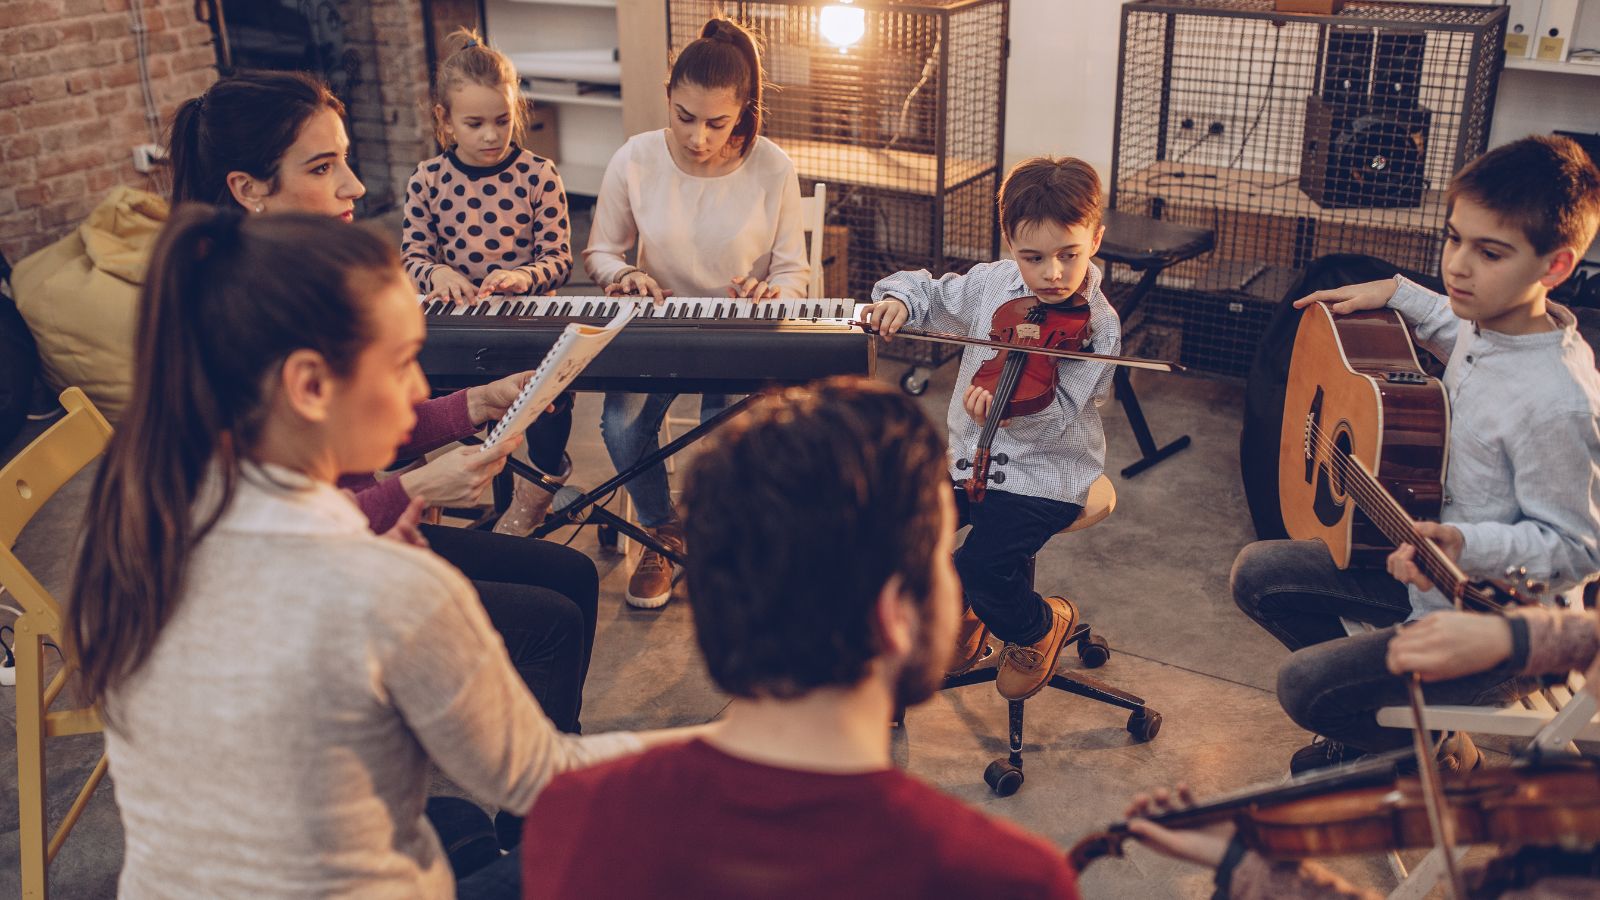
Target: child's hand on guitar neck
x=1352, y=297
x=1402, y=562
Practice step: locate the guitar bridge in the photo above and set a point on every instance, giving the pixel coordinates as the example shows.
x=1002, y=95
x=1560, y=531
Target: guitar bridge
x=1405, y=378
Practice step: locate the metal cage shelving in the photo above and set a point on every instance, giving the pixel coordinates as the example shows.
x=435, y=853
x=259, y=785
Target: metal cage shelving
x=1293, y=137
x=904, y=124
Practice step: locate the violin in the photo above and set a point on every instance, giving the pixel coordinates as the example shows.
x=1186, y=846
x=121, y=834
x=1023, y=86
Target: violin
x=1021, y=383
x=1029, y=335
x=1369, y=807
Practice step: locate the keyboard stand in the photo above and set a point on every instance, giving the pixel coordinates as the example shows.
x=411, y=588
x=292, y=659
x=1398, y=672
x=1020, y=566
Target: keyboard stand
x=585, y=509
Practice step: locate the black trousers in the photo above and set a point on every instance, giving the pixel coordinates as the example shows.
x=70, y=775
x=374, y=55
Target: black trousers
x=547, y=436
x=543, y=598
x=1007, y=529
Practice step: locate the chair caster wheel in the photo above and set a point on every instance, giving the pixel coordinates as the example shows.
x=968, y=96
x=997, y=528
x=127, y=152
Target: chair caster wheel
x=1144, y=725
x=1094, y=651
x=914, y=382
x=607, y=536
x=1003, y=778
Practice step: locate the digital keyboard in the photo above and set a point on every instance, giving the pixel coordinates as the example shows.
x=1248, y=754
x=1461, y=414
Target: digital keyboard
x=685, y=345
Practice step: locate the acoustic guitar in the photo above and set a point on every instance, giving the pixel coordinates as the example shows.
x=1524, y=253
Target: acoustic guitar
x=1364, y=449
x=1365, y=434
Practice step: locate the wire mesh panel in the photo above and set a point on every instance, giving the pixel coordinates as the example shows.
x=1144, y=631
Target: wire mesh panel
x=1294, y=137
x=898, y=107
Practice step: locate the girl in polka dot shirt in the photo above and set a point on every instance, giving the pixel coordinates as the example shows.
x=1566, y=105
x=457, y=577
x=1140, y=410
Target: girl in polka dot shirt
x=488, y=217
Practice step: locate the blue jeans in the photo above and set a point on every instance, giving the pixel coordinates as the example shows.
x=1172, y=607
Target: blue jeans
x=1007, y=530
x=631, y=426
x=1334, y=684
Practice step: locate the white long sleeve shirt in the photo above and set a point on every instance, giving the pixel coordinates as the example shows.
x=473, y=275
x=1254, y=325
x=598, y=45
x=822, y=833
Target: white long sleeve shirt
x=1523, y=478
x=1056, y=453
x=695, y=234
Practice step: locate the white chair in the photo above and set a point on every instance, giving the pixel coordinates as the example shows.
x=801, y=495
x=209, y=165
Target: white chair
x=813, y=215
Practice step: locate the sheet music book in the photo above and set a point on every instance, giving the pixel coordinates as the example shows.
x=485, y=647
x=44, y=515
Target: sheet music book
x=573, y=350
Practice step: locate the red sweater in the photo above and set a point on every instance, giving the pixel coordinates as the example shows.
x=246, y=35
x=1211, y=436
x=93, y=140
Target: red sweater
x=691, y=821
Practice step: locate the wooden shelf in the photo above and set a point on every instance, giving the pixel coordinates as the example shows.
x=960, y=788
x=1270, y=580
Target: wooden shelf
x=1560, y=68
x=1270, y=193
x=897, y=170
x=575, y=99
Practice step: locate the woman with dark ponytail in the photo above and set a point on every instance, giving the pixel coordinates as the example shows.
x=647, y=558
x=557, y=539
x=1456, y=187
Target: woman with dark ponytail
x=270, y=142
x=275, y=678
x=713, y=210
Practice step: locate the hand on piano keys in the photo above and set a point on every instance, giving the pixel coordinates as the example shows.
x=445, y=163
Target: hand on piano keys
x=742, y=288
x=539, y=309
x=637, y=284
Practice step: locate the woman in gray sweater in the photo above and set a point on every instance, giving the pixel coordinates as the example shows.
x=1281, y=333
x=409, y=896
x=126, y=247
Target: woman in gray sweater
x=276, y=678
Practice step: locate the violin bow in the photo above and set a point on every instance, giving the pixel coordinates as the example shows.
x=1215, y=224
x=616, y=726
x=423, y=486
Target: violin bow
x=941, y=337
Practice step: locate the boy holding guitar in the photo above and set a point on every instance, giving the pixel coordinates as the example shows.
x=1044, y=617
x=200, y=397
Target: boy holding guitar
x=1522, y=481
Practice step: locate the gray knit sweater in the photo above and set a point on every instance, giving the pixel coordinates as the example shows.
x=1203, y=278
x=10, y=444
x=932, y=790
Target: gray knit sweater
x=276, y=742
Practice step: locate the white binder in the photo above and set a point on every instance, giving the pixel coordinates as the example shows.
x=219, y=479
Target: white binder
x=1521, y=24
x=1557, y=19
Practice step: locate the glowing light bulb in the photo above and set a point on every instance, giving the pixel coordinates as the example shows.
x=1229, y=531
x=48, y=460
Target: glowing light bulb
x=841, y=25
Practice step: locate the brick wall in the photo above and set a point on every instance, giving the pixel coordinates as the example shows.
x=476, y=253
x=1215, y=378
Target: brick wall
x=71, y=108
x=393, y=134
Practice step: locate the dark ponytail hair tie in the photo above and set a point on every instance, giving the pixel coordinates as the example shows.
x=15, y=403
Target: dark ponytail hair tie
x=471, y=42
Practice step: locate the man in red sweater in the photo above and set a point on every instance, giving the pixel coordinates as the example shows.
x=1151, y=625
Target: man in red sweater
x=820, y=525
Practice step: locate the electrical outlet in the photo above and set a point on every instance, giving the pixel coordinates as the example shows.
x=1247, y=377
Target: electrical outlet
x=148, y=156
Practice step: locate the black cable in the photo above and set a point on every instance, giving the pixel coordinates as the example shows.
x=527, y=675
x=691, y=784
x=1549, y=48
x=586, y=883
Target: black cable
x=1266, y=97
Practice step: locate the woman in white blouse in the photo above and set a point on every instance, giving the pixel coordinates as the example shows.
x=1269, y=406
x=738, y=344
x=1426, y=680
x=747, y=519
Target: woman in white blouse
x=714, y=210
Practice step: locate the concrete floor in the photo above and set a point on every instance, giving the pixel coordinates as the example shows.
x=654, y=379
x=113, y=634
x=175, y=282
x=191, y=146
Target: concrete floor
x=1152, y=579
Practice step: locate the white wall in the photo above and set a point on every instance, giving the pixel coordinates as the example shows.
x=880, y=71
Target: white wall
x=1061, y=92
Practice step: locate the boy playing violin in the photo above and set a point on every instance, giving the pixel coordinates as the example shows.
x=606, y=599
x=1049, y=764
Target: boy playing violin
x=1050, y=211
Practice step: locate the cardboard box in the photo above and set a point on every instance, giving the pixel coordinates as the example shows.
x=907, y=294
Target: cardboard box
x=544, y=139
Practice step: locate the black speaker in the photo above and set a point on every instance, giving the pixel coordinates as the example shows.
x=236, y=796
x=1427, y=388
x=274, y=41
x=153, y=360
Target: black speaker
x=1347, y=65
x=1363, y=155
x=1397, y=68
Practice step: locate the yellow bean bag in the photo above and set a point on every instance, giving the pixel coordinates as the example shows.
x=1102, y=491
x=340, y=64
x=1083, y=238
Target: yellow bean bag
x=80, y=297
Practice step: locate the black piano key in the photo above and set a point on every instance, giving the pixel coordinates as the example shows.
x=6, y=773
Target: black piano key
x=816, y=311
x=783, y=310
x=566, y=308
x=518, y=307
x=696, y=313
x=430, y=308
x=586, y=310
x=716, y=313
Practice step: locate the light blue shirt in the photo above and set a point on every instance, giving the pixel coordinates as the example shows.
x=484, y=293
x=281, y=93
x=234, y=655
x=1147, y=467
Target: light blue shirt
x=1522, y=482
x=1056, y=453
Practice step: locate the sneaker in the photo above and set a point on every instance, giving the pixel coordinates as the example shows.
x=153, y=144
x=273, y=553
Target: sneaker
x=971, y=639
x=650, y=586
x=529, y=503
x=1320, y=754
x=1024, y=671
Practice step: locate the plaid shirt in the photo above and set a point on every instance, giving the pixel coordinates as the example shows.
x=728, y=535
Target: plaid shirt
x=1056, y=453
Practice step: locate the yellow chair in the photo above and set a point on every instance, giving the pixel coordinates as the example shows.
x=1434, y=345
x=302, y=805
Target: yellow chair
x=26, y=484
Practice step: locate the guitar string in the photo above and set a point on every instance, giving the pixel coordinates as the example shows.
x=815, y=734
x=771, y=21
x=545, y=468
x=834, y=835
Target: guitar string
x=1384, y=509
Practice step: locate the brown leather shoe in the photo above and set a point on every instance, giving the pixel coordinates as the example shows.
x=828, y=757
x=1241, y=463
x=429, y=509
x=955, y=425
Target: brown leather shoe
x=972, y=637
x=650, y=587
x=1025, y=670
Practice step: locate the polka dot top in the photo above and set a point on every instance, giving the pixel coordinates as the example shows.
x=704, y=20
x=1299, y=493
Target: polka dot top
x=477, y=219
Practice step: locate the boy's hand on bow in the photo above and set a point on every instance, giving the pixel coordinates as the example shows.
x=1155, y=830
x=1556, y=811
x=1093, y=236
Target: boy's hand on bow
x=886, y=316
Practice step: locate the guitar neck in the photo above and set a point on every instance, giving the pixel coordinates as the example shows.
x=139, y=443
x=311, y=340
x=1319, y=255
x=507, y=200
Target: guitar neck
x=1397, y=525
